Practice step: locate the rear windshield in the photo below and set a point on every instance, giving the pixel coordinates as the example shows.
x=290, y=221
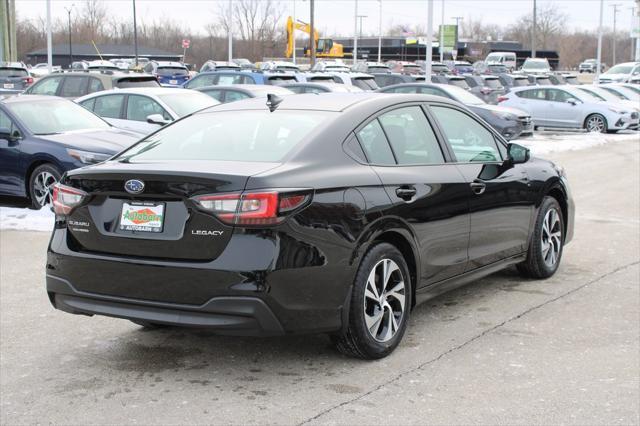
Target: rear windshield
x=186, y=103
x=543, y=81
x=281, y=80
x=517, y=82
x=124, y=83
x=571, y=79
x=367, y=83
x=374, y=69
x=459, y=83
x=259, y=136
x=439, y=68
x=13, y=72
x=172, y=71
x=493, y=83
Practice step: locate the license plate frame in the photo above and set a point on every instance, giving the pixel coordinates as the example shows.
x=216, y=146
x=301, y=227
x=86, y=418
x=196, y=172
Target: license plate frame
x=173, y=81
x=143, y=217
x=9, y=86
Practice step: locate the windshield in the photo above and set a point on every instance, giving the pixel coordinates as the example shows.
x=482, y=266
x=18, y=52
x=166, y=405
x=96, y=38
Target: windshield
x=536, y=65
x=187, y=103
x=55, y=116
x=459, y=83
x=172, y=71
x=366, y=83
x=463, y=96
x=620, y=69
x=582, y=96
x=494, y=58
x=493, y=83
x=13, y=72
x=378, y=69
x=229, y=136
x=593, y=93
x=439, y=68
x=518, y=82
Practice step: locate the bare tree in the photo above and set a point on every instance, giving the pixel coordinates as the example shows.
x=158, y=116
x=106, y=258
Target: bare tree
x=551, y=23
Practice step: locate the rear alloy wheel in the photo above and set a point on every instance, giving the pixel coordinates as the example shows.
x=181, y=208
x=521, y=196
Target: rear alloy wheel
x=545, y=249
x=596, y=123
x=380, y=305
x=41, y=184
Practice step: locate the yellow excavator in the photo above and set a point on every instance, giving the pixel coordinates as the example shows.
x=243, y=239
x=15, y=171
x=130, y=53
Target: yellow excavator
x=325, y=47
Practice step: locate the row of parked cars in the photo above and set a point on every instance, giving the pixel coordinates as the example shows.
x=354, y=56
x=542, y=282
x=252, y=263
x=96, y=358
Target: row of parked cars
x=106, y=110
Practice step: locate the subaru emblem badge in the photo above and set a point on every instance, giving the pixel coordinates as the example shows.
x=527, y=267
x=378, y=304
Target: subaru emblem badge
x=134, y=186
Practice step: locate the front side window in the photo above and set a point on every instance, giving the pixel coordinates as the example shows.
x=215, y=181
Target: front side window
x=555, y=95
x=375, y=145
x=109, y=106
x=469, y=140
x=47, y=86
x=411, y=136
x=140, y=107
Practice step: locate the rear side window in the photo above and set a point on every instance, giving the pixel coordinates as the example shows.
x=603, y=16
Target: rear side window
x=403, y=89
x=95, y=85
x=232, y=96
x=124, y=83
x=459, y=83
x=365, y=83
x=88, y=104
x=202, y=81
x=259, y=136
x=375, y=145
x=218, y=95
x=109, y=106
x=298, y=89
x=226, y=79
x=279, y=81
x=532, y=94
x=411, y=136
x=47, y=86
x=468, y=139
x=74, y=87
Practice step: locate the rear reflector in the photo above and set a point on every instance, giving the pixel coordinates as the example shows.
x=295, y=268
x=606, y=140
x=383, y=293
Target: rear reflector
x=251, y=208
x=66, y=198
x=502, y=98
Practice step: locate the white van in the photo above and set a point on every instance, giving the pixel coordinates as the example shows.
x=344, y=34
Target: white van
x=508, y=59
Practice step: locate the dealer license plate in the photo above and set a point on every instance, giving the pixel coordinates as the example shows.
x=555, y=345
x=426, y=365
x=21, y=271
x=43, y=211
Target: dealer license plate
x=173, y=81
x=9, y=86
x=142, y=217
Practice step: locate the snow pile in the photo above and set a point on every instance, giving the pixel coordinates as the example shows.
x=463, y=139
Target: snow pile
x=26, y=219
x=544, y=143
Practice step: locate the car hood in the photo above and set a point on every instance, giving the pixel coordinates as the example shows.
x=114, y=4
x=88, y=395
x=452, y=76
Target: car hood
x=613, y=76
x=497, y=108
x=110, y=141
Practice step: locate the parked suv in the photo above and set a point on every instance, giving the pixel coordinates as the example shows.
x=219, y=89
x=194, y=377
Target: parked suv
x=219, y=66
x=171, y=74
x=75, y=84
x=621, y=73
x=14, y=77
x=536, y=66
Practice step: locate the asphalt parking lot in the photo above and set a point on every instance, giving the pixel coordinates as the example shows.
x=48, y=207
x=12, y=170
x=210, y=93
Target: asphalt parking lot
x=501, y=351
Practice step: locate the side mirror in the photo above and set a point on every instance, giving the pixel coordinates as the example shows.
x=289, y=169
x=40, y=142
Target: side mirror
x=5, y=133
x=572, y=101
x=518, y=154
x=157, y=119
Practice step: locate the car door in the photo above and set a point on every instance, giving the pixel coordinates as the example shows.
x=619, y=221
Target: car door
x=11, y=161
x=138, y=109
x=426, y=192
x=109, y=107
x=563, y=108
x=534, y=102
x=501, y=200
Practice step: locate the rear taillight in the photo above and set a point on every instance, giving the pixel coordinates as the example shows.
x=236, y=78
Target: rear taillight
x=502, y=98
x=485, y=90
x=252, y=208
x=27, y=80
x=66, y=198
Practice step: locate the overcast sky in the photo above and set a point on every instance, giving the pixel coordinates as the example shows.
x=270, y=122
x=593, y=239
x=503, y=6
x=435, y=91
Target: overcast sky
x=335, y=17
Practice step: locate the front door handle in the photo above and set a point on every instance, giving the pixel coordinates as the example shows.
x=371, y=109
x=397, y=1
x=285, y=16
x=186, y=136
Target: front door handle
x=478, y=187
x=406, y=192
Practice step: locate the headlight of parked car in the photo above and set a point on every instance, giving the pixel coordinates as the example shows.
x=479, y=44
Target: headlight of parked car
x=87, y=157
x=618, y=110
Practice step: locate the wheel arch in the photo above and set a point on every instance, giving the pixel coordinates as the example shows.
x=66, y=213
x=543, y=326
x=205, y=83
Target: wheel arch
x=557, y=191
x=35, y=163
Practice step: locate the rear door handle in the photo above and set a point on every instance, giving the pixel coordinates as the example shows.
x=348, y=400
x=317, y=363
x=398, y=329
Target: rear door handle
x=406, y=192
x=478, y=187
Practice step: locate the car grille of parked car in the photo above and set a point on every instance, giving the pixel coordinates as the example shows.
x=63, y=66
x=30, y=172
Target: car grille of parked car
x=634, y=115
x=525, y=119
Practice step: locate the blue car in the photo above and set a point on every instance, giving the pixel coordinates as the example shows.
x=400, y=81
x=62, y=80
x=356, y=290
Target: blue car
x=226, y=78
x=170, y=74
x=462, y=67
x=41, y=137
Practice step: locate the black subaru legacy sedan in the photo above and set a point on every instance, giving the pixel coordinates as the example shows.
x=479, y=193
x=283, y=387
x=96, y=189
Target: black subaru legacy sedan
x=335, y=213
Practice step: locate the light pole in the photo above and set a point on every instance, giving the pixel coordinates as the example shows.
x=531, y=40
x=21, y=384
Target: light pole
x=380, y=33
x=355, y=34
x=613, y=40
x=599, y=54
x=360, y=17
x=442, y=34
x=69, y=9
x=429, y=53
x=230, y=35
x=312, y=39
x=135, y=34
x=533, y=31
x=49, y=48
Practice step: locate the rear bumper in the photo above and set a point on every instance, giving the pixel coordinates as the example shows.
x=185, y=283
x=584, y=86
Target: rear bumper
x=247, y=316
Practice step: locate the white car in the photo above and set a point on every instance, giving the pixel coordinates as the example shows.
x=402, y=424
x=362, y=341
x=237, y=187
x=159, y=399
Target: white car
x=627, y=91
x=621, y=73
x=568, y=107
x=279, y=66
x=146, y=109
x=508, y=59
x=607, y=96
x=42, y=69
x=330, y=66
x=536, y=66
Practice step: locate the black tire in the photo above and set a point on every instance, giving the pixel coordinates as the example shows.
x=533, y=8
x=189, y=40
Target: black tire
x=38, y=187
x=148, y=325
x=605, y=126
x=535, y=266
x=357, y=341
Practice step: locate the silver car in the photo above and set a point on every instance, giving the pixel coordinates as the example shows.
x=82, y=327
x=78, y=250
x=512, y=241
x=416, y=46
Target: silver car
x=145, y=110
x=568, y=107
x=604, y=95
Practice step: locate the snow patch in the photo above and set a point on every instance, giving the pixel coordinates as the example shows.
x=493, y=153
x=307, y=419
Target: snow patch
x=24, y=219
x=545, y=143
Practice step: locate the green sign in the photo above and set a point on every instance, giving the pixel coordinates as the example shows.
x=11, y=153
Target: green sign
x=449, y=35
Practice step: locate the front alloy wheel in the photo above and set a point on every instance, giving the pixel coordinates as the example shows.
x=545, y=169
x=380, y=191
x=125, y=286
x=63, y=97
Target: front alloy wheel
x=41, y=185
x=596, y=123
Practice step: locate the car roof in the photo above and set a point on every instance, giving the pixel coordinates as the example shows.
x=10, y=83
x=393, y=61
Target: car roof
x=150, y=91
x=251, y=88
x=30, y=98
x=332, y=102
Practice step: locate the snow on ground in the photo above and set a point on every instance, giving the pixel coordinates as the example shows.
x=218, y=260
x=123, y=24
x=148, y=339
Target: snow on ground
x=540, y=144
